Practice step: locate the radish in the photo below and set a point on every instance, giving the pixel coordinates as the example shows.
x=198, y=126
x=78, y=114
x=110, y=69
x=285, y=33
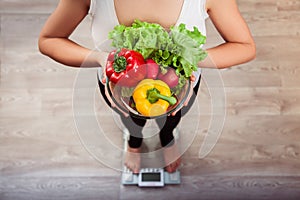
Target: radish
x=169, y=78
x=152, y=69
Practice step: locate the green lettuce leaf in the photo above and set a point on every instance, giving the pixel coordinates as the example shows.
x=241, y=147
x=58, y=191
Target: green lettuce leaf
x=190, y=47
x=180, y=49
x=141, y=36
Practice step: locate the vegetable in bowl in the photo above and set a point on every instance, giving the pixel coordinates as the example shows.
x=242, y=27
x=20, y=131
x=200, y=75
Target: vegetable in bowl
x=125, y=67
x=168, y=57
x=180, y=48
x=153, y=97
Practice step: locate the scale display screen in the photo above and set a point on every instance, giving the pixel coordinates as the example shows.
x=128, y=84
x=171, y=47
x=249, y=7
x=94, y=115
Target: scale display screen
x=150, y=177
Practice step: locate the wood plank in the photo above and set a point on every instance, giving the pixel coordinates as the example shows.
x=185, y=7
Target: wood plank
x=288, y=5
x=61, y=163
x=277, y=48
x=249, y=145
x=30, y=65
x=267, y=50
x=239, y=133
x=290, y=74
x=27, y=6
x=239, y=78
x=254, y=160
x=261, y=101
x=31, y=25
x=256, y=5
x=47, y=6
x=47, y=102
x=48, y=155
x=225, y=187
x=45, y=79
x=243, y=130
x=193, y=187
x=76, y=188
x=285, y=70
x=267, y=23
x=25, y=24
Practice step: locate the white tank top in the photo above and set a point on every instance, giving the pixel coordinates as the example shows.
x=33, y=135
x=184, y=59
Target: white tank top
x=104, y=19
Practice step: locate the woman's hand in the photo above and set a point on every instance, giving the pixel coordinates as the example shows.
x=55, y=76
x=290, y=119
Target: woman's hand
x=191, y=91
x=112, y=103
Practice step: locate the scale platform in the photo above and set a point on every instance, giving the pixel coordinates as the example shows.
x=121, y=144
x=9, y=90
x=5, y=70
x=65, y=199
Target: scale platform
x=149, y=176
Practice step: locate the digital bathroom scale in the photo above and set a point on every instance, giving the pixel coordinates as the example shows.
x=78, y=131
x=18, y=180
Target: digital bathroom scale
x=148, y=176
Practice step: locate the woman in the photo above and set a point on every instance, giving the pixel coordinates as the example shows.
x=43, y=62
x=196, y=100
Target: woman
x=239, y=46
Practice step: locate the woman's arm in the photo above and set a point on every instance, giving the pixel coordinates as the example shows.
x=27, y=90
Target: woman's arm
x=54, y=38
x=239, y=46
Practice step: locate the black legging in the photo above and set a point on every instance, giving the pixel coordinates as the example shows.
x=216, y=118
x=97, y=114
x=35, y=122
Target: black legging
x=166, y=124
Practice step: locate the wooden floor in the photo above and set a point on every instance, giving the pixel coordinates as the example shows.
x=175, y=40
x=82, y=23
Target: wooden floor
x=256, y=157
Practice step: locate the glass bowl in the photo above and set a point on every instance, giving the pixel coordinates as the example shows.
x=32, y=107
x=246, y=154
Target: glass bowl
x=123, y=97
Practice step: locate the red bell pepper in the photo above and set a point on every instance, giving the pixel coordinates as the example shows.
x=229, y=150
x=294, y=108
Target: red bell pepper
x=125, y=67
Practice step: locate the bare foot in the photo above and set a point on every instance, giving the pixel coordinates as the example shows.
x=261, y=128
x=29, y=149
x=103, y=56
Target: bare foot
x=172, y=158
x=133, y=159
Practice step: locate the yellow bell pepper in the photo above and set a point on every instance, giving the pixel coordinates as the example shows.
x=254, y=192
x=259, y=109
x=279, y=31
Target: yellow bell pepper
x=152, y=97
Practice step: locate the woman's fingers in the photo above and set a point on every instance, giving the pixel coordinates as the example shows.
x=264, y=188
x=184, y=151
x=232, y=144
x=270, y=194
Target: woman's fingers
x=186, y=102
x=113, y=105
x=193, y=78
